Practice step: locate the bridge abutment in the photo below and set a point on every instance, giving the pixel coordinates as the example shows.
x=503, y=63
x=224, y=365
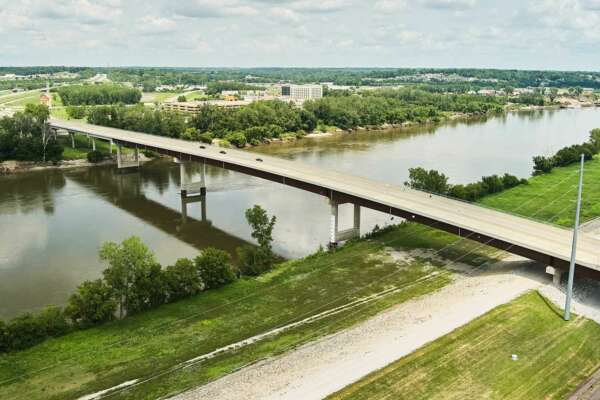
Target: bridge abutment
x=336, y=235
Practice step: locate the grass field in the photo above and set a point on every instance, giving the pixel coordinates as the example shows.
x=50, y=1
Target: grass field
x=147, y=344
x=82, y=147
x=552, y=197
x=474, y=362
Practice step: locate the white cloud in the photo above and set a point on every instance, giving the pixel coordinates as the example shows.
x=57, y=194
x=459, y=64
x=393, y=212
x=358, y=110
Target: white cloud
x=450, y=4
x=214, y=8
x=390, y=5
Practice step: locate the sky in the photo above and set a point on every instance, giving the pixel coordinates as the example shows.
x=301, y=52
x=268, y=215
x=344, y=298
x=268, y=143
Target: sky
x=523, y=34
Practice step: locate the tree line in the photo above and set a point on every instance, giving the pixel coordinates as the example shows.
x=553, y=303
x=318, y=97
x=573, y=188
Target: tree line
x=436, y=182
x=264, y=120
x=77, y=95
x=24, y=136
x=568, y=155
x=135, y=282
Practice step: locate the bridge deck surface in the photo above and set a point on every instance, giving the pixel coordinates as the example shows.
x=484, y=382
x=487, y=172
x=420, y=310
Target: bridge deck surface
x=521, y=232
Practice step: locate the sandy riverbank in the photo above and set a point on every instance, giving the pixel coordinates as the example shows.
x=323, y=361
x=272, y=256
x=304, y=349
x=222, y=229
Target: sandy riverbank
x=13, y=167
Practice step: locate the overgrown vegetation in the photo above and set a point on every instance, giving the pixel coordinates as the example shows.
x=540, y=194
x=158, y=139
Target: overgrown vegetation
x=77, y=95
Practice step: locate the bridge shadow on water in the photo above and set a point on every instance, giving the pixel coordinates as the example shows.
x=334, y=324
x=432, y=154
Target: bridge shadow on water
x=126, y=191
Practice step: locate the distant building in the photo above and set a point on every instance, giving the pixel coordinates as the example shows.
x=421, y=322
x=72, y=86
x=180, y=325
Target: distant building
x=302, y=92
x=194, y=107
x=46, y=99
x=99, y=78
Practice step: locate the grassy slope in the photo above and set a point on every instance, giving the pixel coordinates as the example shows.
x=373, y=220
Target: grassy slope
x=82, y=147
x=98, y=358
x=546, y=196
x=475, y=362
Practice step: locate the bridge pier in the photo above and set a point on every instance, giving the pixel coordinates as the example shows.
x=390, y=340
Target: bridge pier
x=556, y=275
x=193, y=199
x=111, y=147
x=122, y=163
x=191, y=188
x=94, y=144
x=336, y=235
x=72, y=139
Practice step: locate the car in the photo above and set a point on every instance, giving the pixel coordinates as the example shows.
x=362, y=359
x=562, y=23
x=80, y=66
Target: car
x=259, y=159
x=223, y=152
x=202, y=147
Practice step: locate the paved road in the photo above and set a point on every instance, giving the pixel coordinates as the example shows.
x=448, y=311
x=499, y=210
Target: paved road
x=542, y=242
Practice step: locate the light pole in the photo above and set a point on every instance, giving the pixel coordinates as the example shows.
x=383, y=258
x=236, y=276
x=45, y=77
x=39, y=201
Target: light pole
x=574, y=246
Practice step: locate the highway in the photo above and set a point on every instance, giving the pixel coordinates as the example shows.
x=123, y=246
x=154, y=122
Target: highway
x=542, y=242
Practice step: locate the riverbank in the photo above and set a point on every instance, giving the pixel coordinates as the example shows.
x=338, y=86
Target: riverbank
x=14, y=167
x=152, y=346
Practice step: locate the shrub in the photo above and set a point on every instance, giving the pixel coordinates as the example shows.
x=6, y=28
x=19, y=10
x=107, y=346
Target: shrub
x=92, y=303
x=237, y=139
x=205, y=137
x=4, y=344
x=182, y=99
x=214, y=268
x=28, y=329
x=182, y=279
x=95, y=156
x=76, y=112
x=254, y=260
x=542, y=165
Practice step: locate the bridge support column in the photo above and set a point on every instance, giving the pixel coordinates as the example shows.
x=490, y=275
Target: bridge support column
x=336, y=235
x=556, y=275
x=110, y=147
x=191, y=188
x=193, y=199
x=94, y=144
x=119, y=156
x=72, y=139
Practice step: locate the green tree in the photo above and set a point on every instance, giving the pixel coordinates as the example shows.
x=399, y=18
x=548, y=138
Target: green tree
x=182, y=99
x=129, y=262
x=262, y=226
x=427, y=180
x=183, y=279
x=92, y=303
x=214, y=268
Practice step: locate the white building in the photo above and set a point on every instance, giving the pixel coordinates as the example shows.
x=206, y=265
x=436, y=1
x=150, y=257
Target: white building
x=302, y=92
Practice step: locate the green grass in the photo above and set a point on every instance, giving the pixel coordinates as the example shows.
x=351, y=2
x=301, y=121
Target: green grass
x=552, y=197
x=143, y=345
x=82, y=147
x=474, y=362
x=20, y=100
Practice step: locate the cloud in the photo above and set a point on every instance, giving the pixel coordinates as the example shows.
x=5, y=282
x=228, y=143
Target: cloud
x=214, y=8
x=154, y=25
x=390, y=5
x=82, y=11
x=450, y=4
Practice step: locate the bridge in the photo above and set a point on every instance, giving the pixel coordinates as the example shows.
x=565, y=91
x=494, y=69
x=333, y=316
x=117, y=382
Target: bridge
x=548, y=244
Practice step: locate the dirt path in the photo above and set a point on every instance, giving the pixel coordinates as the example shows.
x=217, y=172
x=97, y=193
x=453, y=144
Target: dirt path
x=327, y=365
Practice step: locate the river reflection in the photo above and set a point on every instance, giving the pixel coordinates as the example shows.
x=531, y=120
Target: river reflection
x=53, y=222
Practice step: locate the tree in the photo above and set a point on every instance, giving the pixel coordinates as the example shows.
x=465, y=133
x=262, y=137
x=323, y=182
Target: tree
x=92, y=303
x=182, y=99
x=430, y=181
x=183, y=279
x=214, y=268
x=262, y=226
x=553, y=94
x=128, y=262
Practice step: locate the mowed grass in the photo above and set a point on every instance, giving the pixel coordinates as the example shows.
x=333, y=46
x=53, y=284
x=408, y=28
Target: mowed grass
x=474, y=362
x=146, y=345
x=82, y=147
x=552, y=197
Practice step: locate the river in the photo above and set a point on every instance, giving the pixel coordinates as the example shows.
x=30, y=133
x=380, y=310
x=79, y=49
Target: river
x=53, y=222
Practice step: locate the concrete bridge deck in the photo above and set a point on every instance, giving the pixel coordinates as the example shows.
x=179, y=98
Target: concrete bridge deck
x=542, y=242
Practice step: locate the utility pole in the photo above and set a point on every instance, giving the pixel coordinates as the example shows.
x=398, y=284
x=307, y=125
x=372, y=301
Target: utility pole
x=574, y=246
